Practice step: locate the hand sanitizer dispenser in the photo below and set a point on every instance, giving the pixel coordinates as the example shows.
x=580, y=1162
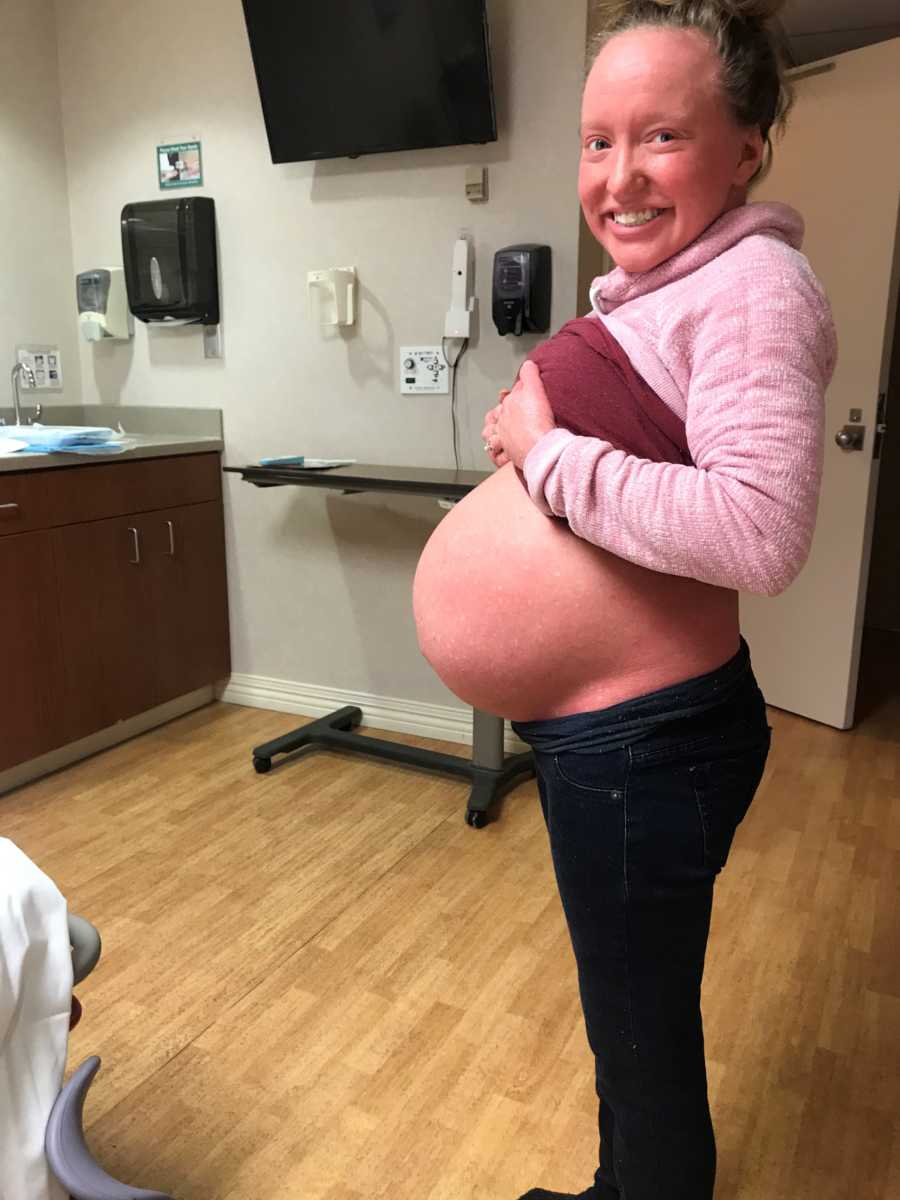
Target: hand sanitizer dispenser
x=523, y=284
x=103, y=305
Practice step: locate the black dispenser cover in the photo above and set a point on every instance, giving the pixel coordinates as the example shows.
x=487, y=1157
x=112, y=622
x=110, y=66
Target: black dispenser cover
x=169, y=251
x=523, y=286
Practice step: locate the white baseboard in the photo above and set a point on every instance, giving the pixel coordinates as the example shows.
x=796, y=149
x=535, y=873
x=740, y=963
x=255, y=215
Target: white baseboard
x=379, y=712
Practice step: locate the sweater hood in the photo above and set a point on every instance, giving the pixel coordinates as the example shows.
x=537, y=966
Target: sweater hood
x=765, y=217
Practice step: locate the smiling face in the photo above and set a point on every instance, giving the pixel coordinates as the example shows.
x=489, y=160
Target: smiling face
x=657, y=133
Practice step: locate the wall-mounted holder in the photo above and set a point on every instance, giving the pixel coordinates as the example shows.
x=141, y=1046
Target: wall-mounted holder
x=337, y=295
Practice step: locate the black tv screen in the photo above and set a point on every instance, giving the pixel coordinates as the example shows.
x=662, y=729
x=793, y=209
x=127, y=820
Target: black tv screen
x=340, y=78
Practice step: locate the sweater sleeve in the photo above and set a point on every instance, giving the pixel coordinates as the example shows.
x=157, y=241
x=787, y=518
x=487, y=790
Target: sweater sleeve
x=743, y=516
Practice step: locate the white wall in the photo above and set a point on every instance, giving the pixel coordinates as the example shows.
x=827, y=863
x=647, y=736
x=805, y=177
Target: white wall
x=320, y=584
x=37, y=285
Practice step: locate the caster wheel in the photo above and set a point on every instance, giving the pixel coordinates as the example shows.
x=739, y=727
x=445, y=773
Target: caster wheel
x=476, y=819
x=262, y=765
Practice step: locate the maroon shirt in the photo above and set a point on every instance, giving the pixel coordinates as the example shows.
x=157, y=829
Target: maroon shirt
x=594, y=391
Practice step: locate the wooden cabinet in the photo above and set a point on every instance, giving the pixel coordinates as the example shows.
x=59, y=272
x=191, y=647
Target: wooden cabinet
x=104, y=610
x=186, y=548
x=131, y=572
x=29, y=648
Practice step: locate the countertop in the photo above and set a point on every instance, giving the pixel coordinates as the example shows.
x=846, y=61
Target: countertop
x=151, y=432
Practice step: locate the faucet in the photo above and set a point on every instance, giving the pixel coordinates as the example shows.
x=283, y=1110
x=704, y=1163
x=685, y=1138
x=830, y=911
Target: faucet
x=22, y=369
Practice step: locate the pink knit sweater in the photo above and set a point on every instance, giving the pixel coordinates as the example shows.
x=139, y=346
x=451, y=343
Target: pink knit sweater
x=735, y=334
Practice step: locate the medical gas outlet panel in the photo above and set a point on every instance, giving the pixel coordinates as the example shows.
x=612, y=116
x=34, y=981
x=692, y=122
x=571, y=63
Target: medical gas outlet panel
x=423, y=371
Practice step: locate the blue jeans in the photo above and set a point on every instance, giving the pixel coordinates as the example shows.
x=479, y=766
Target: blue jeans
x=641, y=801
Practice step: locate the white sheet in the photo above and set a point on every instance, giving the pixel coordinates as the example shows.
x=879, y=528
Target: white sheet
x=35, y=1003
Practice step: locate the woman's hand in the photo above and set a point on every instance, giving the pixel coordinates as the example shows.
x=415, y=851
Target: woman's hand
x=490, y=435
x=524, y=416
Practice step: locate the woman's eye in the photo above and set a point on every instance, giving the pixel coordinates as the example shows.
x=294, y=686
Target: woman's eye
x=599, y=143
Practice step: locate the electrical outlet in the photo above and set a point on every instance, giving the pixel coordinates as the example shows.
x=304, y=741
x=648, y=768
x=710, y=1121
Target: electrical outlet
x=424, y=371
x=45, y=363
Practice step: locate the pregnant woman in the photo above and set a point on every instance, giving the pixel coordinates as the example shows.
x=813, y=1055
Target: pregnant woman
x=655, y=458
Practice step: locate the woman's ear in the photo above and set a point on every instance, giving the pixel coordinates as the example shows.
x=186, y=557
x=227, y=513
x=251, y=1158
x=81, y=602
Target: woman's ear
x=753, y=150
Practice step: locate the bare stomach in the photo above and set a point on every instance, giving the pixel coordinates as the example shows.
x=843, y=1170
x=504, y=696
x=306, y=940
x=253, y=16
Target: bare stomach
x=520, y=617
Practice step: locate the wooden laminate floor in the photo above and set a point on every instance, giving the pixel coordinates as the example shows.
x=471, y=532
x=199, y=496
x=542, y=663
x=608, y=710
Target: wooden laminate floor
x=320, y=984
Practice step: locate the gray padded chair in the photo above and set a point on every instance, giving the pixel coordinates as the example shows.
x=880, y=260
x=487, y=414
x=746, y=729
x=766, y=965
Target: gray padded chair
x=68, y=1155
x=85, y=942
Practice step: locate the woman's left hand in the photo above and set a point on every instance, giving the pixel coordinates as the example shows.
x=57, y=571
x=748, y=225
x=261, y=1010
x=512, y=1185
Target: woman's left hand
x=525, y=415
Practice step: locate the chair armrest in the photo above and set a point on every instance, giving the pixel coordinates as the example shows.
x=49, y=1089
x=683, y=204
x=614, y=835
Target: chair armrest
x=85, y=942
x=68, y=1155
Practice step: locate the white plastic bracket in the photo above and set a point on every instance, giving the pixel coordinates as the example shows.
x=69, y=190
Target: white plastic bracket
x=336, y=288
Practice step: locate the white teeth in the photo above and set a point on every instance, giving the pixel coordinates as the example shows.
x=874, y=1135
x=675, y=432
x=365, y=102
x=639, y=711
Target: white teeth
x=637, y=218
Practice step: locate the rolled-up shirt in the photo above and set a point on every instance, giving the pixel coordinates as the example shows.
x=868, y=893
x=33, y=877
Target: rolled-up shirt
x=594, y=391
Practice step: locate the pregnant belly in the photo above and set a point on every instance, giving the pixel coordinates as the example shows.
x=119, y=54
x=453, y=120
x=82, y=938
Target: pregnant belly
x=521, y=618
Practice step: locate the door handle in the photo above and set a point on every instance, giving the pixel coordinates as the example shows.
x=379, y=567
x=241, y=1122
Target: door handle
x=171, y=525
x=851, y=437
x=136, y=546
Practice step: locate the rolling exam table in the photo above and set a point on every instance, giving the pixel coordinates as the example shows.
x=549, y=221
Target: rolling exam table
x=489, y=770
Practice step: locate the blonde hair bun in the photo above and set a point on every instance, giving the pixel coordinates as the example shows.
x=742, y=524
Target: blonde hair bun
x=757, y=11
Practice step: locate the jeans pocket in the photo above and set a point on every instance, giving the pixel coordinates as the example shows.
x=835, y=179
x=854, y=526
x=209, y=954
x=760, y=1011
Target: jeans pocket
x=724, y=788
x=598, y=771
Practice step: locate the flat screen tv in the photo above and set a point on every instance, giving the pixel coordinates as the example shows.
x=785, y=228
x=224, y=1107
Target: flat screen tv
x=340, y=78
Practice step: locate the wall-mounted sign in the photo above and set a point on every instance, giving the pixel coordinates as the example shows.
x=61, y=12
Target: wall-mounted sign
x=180, y=165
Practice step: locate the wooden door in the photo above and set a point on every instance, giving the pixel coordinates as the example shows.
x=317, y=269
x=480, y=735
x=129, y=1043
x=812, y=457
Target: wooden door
x=30, y=713
x=107, y=623
x=838, y=165
x=186, y=553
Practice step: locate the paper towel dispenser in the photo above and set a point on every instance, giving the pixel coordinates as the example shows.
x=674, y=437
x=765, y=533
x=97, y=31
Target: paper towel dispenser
x=171, y=266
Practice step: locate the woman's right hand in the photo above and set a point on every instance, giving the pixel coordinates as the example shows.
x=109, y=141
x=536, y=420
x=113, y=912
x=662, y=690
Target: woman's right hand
x=489, y=434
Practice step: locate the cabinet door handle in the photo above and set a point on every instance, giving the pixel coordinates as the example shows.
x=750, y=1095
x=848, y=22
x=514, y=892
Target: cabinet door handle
x=10, y=505
x=137, y=545
x=171, y=526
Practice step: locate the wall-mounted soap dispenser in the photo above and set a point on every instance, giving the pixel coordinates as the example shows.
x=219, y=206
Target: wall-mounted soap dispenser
x=171, y=266
x=103, y=305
